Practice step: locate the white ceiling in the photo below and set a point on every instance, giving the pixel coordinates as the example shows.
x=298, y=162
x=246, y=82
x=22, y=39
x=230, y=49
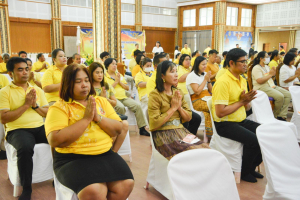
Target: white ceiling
x=255, y=2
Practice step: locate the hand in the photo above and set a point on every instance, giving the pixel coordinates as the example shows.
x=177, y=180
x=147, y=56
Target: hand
x=297, y=72
x=103, y=92
x=96, y=115
x=175, y=101
x=34, y=97
x=118, y=78
x=29, y=99
x=247, y=98
x=44, y=66
x=207, y=76
x=272, y=72
x=90, y=109
x=31, y=76
x=180, y=99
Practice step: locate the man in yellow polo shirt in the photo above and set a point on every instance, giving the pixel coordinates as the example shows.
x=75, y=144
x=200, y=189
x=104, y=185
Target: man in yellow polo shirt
x=136, y=47
x=212, y=66
x=186, y=50
x=281, y=49
x=22, y=108
x=132, y=62
x=3, y=81
x=40, y=65
x=230, y=100
x=5, y=58
x=207, y=49
x=194, y=56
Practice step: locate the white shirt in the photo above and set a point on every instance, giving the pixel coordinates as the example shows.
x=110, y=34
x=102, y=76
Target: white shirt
x=175, y=53
x=193, y=78
x=285, y=73
x=157, y=50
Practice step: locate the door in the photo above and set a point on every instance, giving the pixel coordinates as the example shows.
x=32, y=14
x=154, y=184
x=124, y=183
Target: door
x=266, y=47
x=197, y=40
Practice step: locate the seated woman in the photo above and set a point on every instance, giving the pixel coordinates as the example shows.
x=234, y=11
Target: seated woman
x=137, y=68
x=83, y=160
x=230, y=100
x=34, y=77
x=262, y=80
x=177, y=58
x=141, y=80
x=274, y=59
x=288, y=74
x=117, y=81
x=105, y=90
x=199, y=86
x=167, y=111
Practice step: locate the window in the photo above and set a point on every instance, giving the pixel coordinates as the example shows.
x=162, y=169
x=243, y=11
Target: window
x=206, y=16
x=246, y=17
x=159, y=11
x=127, y=7
x=232, y=16
x=189, y=18
x=81, y=3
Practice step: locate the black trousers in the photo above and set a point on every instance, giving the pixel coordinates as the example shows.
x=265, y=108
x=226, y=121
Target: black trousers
x=23, y=140
x=194, y=124
x=245, y=133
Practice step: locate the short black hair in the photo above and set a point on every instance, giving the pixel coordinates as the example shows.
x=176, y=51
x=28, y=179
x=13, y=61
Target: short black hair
x=138, y=59
x=162, y=68
x=143, y=52
x=275, y=53
x=224, y=53
x=136, y=44
x=293, y=50
x=103, y=54
x=260, y=55
x=212, y=52
x=176, y=47
x=177, y=55
x=21, y=52
x=198, y=60
x=10, y=65
x=282, y=53
x=108, y=61
x=28, y=59
x=157, y=58
x=182, y=58
x=270, y=53
x=204, y=53
x=194, y=53
x=54, y=53
x=281, y=46
x=39, y=55
x=288, y=58
x=137, y=52
x=234, y=55
x=75, y=54
x=237, y=44
x=298, y=52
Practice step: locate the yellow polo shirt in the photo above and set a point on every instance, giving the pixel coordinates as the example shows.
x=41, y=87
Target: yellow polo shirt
x=214, y=68
x=3, y=81
x=132, y=53
x=220, y=73
x=151, y=83
x=222, y=62
x=119, y=91
x=3, y=67
x=193, y=61
x=37, y=77
x=13, y=97
x=272, y=64
x=226, y=91
x=186, y=51
x=131, y=64
x=181, y=71
x=52, y=76
x=297, y=58
x=207, y=50
x=136, y=70
x=282, y=51
x=142, y=77
x=176, y=61
x=38, y=64
x=93, y=140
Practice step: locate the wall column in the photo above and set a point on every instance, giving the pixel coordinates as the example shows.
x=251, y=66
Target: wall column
x=5, y=30
x=138, y=15
x=56, y=28
x=220, y=22
x=256, y=38
x=107, y=28
x=291, y=43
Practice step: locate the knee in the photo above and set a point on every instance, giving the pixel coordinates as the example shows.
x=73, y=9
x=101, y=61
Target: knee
x=279, y=97
x=125, y=125
x=127, y=186
x=25, y=149
x=92, y=193
x=196, y=117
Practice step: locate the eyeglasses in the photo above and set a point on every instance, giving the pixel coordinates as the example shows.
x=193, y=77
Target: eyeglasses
x=243, y=61
x=187, y=59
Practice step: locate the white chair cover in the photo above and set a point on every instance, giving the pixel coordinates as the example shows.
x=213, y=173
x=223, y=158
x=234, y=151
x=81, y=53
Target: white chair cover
x=125, y=149
x=195, y=175
x=8, y=77
x=42, y=164
x=157, y=173
x=231, y=149
x=202, y=125
x=62, y=192
x=2, y=135
x=281, y=156
x=263, y=113
x=295, y=92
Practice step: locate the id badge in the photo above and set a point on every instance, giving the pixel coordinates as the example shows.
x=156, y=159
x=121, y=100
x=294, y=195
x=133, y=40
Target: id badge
x=270, y=81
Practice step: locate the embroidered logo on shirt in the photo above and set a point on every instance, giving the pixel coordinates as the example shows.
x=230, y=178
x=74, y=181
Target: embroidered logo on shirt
x=102, y=112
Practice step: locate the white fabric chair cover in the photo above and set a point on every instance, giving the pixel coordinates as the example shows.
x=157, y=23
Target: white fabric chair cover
x=42, y=164
x=62, y=192
x=295, y=92
x=157, y=173
x=202, y=125
x=131, y=117
x=125, y=149
x=263, y=113
x=195, y=175
x=231, y=149
x=8, y=77
x=2, y=135
x=281, y=155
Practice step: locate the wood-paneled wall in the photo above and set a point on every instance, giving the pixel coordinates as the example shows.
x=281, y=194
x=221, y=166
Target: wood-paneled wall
x=30, y=36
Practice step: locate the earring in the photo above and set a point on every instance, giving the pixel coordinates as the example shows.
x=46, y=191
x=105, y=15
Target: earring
x=164, y=80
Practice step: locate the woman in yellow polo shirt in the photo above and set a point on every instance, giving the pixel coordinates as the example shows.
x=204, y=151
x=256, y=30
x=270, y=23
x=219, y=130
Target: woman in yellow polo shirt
x=274, y=59
x=34, y=77
x=52, y=76
x=230, y=100
x=183, y=70
x=177, y=58
x=83, y=160
x=167, y=112
x=137, y=67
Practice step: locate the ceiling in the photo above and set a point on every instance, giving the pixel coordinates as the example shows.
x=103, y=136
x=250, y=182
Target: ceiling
x=255, y=2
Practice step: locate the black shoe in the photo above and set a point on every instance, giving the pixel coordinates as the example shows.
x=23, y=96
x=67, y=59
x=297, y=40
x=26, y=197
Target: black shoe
x=256, y=174
x=249, y=178
x=3, y=155
x=144, y=132
x=26, y=195
x=281, y=119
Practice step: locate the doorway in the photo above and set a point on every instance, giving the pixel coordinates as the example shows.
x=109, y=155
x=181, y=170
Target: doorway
x=266, y=47
x=197, y=40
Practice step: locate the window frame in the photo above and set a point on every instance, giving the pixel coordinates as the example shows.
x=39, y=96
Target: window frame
x=231, y=17
x=206, y=9
x=190, y=18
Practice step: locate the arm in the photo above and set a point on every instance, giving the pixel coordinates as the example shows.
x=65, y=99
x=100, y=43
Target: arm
x=198, y=88
x=110, y=126
x=112, y=100
x=209, y=87
x=38, y=83
x=52, y=88
x=9, y=116
x=42, y=111
x=43, y=66
x=124, y=86
x=264, y=79
x=142, y=84
x=224, y=110
x=182, y=79
x=213, y=76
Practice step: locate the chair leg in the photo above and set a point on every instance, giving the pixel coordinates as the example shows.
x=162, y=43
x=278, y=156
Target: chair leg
x=147, y=186
x=16, y=191
x=130, y=158
x=237, y=177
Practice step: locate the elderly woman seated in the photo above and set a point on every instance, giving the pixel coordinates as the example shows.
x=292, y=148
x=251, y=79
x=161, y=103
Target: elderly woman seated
x=167, y=111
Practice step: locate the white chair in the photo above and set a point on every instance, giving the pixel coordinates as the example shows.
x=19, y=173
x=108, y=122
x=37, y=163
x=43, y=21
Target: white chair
x=195, y=175
x=42, y=165
x=157, y=173
x=231, y=149
x=295, y=92
x=131, y=119
x=125, y=149
x=281, y=155
x=2, y=135
x=263, y=113
x=8, y=77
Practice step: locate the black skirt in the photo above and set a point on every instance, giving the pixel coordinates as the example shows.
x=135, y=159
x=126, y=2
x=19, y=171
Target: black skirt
x=76, y=171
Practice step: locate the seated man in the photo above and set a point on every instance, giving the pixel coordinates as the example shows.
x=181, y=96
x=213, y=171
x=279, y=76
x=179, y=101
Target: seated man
x=40, y=65
x=230, y=100
x=3, y=82
x=5, y=58
x=22, y=108
x=22, y=54
x=76, y=58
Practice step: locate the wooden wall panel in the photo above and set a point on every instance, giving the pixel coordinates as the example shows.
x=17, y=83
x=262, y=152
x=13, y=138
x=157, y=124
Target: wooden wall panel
x=166, y=38
x=273, y=38
x=30, y=37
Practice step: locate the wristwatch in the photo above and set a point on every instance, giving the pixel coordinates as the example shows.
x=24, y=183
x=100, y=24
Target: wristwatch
x=34, y=108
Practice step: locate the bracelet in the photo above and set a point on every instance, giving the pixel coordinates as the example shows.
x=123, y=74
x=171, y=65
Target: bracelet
x=34, y=108
x=99, y=119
